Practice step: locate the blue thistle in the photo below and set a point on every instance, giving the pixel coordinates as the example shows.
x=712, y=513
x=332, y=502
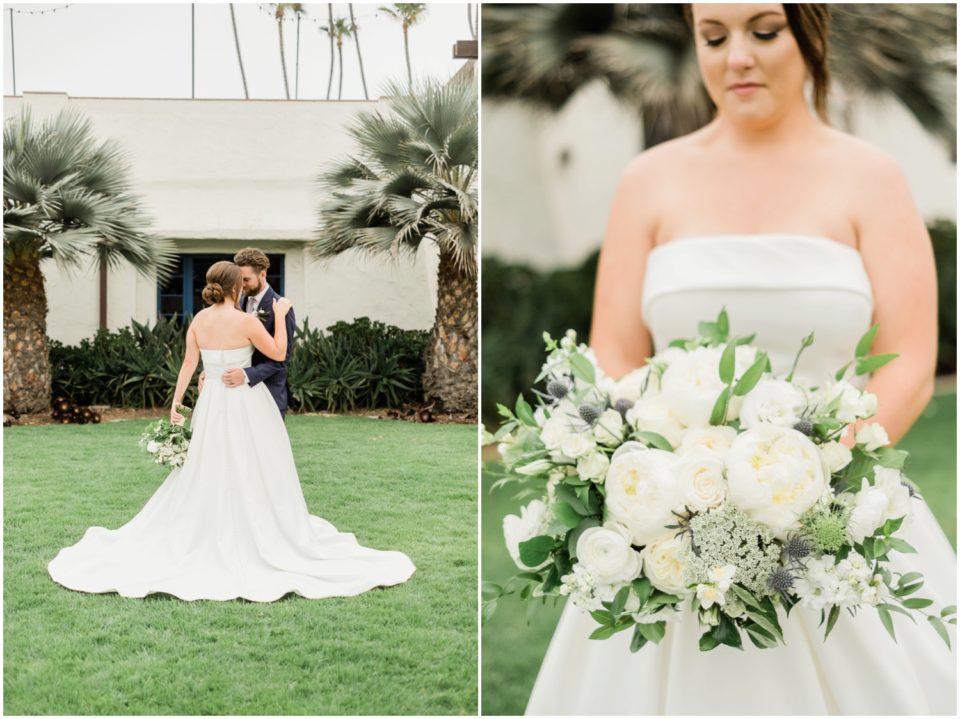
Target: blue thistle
x=589, y=413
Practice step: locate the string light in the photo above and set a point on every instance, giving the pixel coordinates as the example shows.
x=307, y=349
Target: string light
x=291, y=16
x=40, y=12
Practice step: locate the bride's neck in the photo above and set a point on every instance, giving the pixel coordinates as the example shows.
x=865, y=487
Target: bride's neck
x=794, y=126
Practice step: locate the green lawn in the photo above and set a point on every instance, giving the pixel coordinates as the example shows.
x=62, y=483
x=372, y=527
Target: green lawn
x=513, y=650
x=409, y=649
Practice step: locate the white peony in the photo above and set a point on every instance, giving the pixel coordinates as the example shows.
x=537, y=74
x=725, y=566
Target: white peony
x=711, y=441
x=835, y=455
x=702, y=480
x=872, y=436
x=775, y=474
x=773, y=401
x=691, y=383
x=606, y=553
x=609, y=428
x=653, y=414
x=593, y=466
x=642, y=492
x=663, y=564
x=532, y=522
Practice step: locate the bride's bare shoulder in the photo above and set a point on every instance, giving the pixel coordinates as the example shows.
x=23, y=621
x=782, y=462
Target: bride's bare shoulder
x=671, y=156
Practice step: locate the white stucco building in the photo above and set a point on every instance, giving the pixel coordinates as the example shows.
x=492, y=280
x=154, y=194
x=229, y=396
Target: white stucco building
x=219, y=175
x=548, y=178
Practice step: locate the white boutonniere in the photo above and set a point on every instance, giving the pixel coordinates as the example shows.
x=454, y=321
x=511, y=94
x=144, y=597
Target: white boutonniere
x=262, y=315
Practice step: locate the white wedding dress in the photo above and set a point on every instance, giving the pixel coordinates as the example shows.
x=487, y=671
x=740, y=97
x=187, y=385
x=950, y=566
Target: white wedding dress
x=232, y=521
x=781, y=287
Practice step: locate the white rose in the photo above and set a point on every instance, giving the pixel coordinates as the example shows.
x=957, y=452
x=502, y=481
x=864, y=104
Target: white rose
x=898, y=496
x=532, y=521
x=835, y=455
x=773, y=401
x=152, y=447
x=577, y=444
x=606, y=553
x=663, y=564
x=775, y=474
x=872, y=436
x=711, y=441
x=653, y=414
x=593, y=466
x=868, y=512
x=642, y=492
x=703, y=482
x=635, y=384
x=609, y=428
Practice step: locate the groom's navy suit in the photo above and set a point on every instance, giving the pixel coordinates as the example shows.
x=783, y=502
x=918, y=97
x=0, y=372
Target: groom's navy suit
x=273, y=374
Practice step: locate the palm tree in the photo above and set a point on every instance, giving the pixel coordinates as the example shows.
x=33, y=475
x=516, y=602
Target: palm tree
x=340, y=29
x=64, y=198
x=408, y=13
x=356, y=37
x=236, y=40
x=414, y=180
x=329, y=30
x=280, y=10
x=645, y=54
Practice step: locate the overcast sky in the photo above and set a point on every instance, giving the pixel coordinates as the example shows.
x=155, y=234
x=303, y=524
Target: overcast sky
x=143, y=50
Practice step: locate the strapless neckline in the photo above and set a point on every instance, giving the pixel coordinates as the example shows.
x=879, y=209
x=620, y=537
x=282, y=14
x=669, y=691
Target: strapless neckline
x=760, y=236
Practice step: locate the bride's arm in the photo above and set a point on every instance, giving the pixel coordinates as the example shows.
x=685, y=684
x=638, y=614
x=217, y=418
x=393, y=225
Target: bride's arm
x=898, y=255
x=273, y=347
x=190, y=360
x=618, y=334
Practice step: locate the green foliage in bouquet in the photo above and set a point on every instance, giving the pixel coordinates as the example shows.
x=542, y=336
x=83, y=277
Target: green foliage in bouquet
x=167, y=443
x=647, y=502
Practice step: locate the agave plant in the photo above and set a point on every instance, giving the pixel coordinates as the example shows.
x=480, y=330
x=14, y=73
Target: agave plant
x=67, y=198
x=413, y=179
x=646, y=55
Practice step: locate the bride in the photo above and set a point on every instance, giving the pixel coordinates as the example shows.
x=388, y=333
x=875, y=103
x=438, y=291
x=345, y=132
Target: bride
x=792, y=226
x=231, y=522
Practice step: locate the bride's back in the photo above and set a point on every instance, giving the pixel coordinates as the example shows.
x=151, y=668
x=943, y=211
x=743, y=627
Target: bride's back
x=221, y=327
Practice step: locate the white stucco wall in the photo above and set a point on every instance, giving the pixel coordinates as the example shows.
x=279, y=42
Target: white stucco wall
x=218, y=175
x=546, y=212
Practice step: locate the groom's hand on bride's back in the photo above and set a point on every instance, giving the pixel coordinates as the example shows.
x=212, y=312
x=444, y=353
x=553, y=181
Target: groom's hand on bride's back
x=203, y=376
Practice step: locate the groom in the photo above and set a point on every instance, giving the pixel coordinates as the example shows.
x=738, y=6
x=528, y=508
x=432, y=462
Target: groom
x=257, y=298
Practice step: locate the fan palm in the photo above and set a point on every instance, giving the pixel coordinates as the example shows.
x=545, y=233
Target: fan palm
x=408, y=13
x=414, y=180
x=645, y=53
x=65, y=198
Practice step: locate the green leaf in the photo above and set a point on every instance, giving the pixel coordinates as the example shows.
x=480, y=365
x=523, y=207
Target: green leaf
x=901, y=610
x=582, y=368
x=740, y=341
x=707, y=641
x=488, y=611
x=525, y=412
x=642, y=588
x=603, y=633
x=723, y=323
x=760, y=637
x=892, y=458
x=719, y=412
x=504, y=411
x=653, y=632
x=831, y=621
x=620, y=600
x=873, y=363
x=491, y=590
x=566, y=514
x=917, y=603
x=887, y=619
x=891, y=526
x=940, y=628
x=574, y=534
x=660, y=599
x=865, y=342
x=842, y=371
x=535, y=551
x=569, y=495
x=601, y=616
x=638, y=640
x=947, y=611
x=745, y=596
x=900, y=545
x=655, y=440
x=750, y=378
x=728, y=363
x=764, y=621
x=726, y=632
x=909, y=578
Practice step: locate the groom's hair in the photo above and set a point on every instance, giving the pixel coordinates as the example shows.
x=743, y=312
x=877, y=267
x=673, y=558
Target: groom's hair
x=252, y=257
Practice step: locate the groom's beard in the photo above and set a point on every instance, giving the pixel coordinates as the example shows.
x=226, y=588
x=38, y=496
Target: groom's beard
x=253, y=291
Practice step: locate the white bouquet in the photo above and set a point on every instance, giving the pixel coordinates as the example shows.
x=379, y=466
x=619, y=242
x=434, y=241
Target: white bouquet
x=703, y=482
x=167, y=443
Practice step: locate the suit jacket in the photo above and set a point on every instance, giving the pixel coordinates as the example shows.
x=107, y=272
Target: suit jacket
x=273, y=374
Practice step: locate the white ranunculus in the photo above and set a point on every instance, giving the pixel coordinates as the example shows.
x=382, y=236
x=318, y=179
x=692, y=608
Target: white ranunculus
x=593, y=466
x=606, y=553
x=773, y=401
x=835, y=455
x=152, y=447
x=609, y=428
x=775, y=474
x=653, y=414
x=532, y=522
x=702, y=480
x=872, y=436
x=709, y=441
x=642, y=492
x=640, y=382
x=663, y=564
x=577, y=444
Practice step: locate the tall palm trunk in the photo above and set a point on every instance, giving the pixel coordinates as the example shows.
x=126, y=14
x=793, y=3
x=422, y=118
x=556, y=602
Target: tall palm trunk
x=356, y=38
x=26, y=362
x=283, y=58
x=330, y=33
x=340, y=60
x=406, y=52
x=236, y=40
x=450, y=375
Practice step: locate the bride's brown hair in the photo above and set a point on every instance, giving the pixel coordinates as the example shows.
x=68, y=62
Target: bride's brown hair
x=810, y=24
x=223, y=281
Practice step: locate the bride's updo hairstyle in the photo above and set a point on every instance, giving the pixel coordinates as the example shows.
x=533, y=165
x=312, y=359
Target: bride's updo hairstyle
x=810, y=25
x=223, y=282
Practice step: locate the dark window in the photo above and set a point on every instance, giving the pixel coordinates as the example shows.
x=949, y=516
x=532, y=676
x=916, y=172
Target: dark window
x=181, y=294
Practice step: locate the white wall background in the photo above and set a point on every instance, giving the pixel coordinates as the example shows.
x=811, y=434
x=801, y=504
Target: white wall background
x=548, y=179
x=218, y=175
